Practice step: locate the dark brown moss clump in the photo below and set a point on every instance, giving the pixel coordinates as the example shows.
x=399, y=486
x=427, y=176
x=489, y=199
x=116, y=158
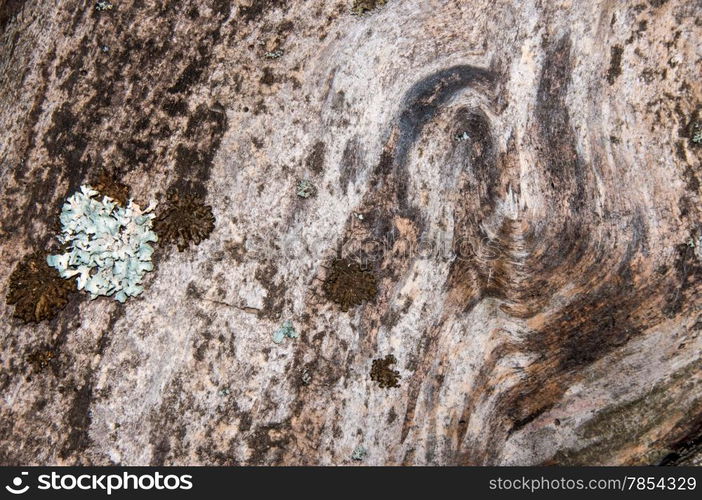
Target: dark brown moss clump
x=108, y=185
x=383, y=374
x=363, y=6
x=36, y=289
x=348, y=285
x=42, y=358
x=184, y=219
x=615, y=64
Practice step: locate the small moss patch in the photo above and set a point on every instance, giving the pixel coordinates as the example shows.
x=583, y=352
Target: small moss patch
x=615, y=63
x=349, y=285
x=36, y=290
x=362, y=6
x=383, y=374
x=184, y=220
x=108, y=185
x=40, y=359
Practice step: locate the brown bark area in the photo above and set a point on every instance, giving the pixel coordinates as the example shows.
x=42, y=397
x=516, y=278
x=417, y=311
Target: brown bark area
x=519, y=177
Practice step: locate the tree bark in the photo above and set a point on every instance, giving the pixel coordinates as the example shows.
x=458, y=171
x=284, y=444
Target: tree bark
x=517, y=179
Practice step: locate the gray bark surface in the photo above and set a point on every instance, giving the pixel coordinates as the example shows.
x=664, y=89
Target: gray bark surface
x=519, y=176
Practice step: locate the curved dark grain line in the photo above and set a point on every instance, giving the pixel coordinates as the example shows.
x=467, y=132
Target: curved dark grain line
x=425, y=99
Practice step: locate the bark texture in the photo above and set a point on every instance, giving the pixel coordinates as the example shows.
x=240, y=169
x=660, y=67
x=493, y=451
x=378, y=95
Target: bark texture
x=519, y=178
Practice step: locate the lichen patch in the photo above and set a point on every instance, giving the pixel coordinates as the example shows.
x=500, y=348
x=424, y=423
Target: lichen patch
x=348, y=285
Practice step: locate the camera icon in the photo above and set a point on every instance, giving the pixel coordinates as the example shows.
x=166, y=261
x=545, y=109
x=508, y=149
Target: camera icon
x=17, y=483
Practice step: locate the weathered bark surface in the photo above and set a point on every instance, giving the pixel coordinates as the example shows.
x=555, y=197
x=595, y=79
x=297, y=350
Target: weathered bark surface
x=548, y=142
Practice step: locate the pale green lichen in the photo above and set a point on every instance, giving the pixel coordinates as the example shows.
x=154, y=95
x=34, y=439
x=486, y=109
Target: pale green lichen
x=360, y=7
x=305, y=189
x=274, y=54
x=107, y=246
x=285, y=331
x=694, y=129
x=306, y=377
x=103, y=5
x=359, y=453
x=697, y=246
